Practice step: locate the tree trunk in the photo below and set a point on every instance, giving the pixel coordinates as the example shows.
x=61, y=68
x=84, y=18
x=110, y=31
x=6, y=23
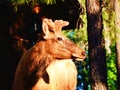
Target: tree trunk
x=117, y=22
x=97, y=56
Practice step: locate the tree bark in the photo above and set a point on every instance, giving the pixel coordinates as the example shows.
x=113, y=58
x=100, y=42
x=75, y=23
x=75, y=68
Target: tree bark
x=97, y=56
x=117, y=23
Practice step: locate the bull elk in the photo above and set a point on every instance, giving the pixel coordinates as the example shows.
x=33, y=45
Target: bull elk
x=48, y=64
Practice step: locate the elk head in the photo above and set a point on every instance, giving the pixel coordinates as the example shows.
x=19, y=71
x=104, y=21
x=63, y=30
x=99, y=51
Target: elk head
x=57, y=44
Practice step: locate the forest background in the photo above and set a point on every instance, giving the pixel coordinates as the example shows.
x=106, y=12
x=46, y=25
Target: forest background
x=79, y=36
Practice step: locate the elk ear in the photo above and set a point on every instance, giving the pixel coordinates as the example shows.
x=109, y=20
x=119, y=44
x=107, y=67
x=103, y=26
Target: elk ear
x=45, y=30
x=65, y=23
x=60, y=23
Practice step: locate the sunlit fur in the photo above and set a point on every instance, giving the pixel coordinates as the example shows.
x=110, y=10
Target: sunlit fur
x=43, y=67
x=62, y=76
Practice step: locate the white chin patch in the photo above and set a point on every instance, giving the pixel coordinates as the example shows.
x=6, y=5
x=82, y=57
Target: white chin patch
x=78, y=59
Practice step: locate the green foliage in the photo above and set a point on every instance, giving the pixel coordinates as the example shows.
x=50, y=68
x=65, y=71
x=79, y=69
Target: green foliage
x=31, y=3
x=111, y=69
x=77, y=35
x=20, y=2
x=108, y=15
x=108, y=23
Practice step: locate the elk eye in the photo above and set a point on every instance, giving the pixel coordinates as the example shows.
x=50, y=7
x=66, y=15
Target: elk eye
x=51, y=30
x=59, y=38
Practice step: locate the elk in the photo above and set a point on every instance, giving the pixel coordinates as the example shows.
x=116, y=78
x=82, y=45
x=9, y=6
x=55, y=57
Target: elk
x=48, y=64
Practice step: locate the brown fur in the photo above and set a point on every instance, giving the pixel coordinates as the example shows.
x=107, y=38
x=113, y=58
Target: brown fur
x=38, y=63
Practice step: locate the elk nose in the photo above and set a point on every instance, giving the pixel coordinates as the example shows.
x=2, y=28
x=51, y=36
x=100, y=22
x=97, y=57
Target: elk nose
x=83, y=53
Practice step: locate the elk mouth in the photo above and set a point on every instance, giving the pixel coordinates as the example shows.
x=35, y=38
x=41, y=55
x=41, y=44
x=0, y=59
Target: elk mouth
x=79, y=57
